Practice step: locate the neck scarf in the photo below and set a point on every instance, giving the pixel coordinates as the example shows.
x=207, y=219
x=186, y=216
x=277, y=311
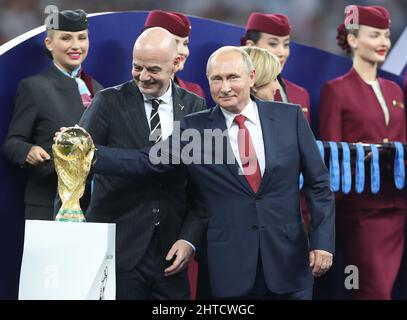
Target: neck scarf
x=83, y=89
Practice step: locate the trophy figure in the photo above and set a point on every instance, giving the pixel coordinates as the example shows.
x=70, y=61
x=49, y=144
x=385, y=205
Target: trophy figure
x=73, y=153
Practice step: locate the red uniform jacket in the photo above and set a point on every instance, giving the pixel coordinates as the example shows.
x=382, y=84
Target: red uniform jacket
x=349, y=111
x=190, y=86
x=298, y=95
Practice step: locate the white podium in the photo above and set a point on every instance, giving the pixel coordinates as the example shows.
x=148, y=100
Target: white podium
x=68, y=261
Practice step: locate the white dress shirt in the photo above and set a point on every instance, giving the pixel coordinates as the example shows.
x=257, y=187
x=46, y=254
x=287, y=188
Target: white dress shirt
x=283, y=95
x=165, y=111
x=254, y=126
x=379, y=95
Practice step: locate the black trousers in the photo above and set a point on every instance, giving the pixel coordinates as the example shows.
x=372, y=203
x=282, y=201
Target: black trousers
x=203, y=290
x=147, y=281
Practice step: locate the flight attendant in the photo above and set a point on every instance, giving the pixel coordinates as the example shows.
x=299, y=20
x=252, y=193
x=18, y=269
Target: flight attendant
x=273, y=33
x=180, y=27
x=46, y=102
x=360, y=106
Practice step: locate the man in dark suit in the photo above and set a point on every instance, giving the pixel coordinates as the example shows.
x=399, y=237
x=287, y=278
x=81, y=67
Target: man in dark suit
x=257, y=244
x=160, y=219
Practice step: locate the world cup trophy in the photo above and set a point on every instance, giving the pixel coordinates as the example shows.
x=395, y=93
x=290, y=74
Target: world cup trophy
x=73, y=153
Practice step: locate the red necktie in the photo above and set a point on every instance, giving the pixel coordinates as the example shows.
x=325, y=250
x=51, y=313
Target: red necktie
x=247, y=153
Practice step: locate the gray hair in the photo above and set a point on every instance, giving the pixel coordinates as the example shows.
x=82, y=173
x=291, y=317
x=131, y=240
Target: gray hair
x=245, y=56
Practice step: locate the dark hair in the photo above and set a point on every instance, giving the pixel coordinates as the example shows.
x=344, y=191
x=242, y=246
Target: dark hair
x=252, y=35
x=342, y=37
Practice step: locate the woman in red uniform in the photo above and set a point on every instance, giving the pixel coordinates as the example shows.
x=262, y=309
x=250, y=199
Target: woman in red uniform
x=180, y=27
x=362, y=107
x=272, y=32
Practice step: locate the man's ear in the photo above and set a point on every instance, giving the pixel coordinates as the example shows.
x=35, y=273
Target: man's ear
x=252, y=78
x=176, y=64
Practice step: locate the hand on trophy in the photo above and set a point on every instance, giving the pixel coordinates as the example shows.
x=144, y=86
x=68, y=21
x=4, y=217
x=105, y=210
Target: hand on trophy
x=73, y=153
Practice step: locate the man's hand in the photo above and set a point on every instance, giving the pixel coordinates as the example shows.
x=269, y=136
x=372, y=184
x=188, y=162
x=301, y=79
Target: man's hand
x=37, y=155
x=183, y=252
x=320, y=262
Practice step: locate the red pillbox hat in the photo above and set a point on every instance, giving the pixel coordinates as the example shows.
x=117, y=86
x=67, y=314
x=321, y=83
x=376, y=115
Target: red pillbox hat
x=174, y=22
x=276, y=24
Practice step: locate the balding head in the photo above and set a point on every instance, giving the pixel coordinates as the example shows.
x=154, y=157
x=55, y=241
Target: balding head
x=155, y=60
x=231, y=50
x=157, y=41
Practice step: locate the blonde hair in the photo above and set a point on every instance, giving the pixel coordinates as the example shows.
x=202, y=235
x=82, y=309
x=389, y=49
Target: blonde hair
x=266, y=64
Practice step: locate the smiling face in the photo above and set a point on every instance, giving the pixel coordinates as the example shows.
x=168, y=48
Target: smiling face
x=230, y=81
x=370, y=44
x=68, y=49
x=279, y=46
x=152, y=72
x=155, y=60
x=182, y=49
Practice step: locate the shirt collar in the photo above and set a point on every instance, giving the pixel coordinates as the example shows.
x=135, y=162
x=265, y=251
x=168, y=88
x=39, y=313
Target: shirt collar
x=165, y=98
x=73, y=74
x=250, y=112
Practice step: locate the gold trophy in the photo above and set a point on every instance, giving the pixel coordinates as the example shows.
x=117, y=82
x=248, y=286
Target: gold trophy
x=73, y=153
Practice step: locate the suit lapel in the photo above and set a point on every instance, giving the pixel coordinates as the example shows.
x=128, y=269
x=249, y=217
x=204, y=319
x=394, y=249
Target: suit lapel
x=270, y=139
x=64, y=84
x=178, y=105
x=217, y=121
x=137, y=113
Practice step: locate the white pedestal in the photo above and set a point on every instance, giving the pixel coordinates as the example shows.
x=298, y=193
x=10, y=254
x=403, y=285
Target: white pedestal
x=68, y=261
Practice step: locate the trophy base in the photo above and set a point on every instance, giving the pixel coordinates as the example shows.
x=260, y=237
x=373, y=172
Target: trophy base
x=68, y=261
x=66, y=215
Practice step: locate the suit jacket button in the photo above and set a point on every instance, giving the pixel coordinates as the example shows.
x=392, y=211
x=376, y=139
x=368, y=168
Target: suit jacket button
x=155, y=210
x=255, y=227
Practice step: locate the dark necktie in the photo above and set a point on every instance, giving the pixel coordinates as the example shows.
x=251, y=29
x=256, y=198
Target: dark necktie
x=155, y=124
x=277, y=96
x=247, y=153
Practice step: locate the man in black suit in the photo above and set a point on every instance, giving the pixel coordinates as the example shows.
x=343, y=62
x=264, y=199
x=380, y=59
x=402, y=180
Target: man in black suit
x=159, y=219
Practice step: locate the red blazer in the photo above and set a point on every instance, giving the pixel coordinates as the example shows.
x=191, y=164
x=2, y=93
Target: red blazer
x=349, y=111
x=190, y=86
x=297, y=95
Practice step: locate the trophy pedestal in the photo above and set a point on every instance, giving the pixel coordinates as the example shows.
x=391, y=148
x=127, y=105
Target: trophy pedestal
x=68, y=261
